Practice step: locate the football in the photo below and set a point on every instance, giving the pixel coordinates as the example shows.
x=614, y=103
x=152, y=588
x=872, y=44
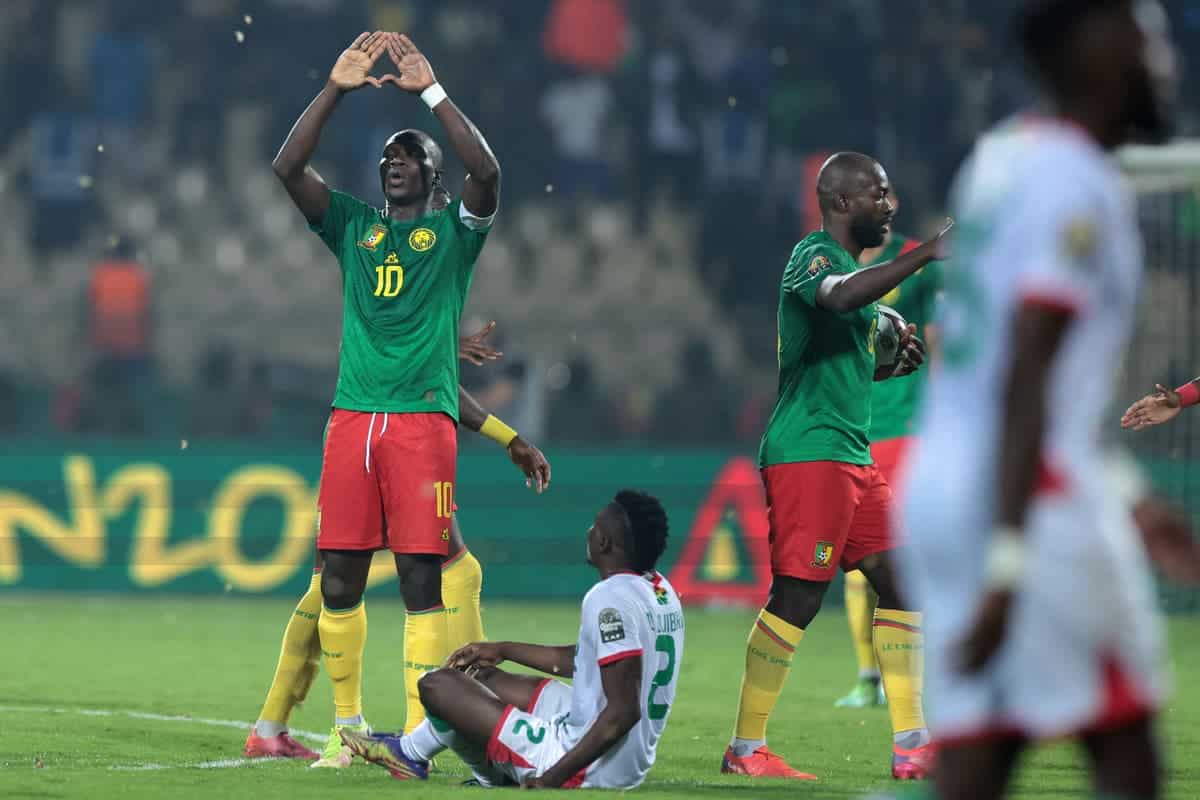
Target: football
x=888, y=327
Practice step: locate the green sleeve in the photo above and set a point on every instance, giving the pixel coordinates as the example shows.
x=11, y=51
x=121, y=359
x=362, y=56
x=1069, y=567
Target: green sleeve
x=339, y=220
x=806, y=269
x=472, y=240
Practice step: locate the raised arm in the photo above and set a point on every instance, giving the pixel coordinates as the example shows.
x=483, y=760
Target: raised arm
x=622, y=684
x=306, y=188
x=481, y=192
x=842, y=293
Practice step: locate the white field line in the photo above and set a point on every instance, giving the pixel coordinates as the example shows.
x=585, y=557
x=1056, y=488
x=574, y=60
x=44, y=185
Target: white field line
x=223, y=763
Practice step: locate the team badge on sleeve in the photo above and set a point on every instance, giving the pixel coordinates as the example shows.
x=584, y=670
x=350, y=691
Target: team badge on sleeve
x=422, y=239
x=373, y=238
x=817, y=264
x=823, y=555
x=612, y=627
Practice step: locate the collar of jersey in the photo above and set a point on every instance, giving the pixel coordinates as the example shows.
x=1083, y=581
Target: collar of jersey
x=411, y=223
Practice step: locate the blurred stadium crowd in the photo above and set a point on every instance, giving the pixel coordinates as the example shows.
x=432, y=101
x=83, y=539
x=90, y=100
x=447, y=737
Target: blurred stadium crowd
x=657, y=163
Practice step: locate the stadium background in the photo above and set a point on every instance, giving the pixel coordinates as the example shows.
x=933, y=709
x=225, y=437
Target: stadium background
x=169, y=328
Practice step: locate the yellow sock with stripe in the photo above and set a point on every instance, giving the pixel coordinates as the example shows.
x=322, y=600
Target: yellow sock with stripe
x=425, y=649
x=299, y=658
x=462, y=581
x=860, y=611
x=343, y=639
x=900, y=648
x=769, y=652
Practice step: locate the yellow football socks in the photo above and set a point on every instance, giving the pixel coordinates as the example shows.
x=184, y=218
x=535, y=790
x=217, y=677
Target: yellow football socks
x=462, y=580
x=860, y=610
x=343, y=635
x=425, y=649
x=769, y=653
x=900, y=647
x=299, y=658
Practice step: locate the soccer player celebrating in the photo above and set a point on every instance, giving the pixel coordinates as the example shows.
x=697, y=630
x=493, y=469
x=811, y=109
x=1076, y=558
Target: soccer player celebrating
x=1007, y=483
x=462, y=581
x=387, y=472
x=827, y=504
x=603, y=730
x=893, y=409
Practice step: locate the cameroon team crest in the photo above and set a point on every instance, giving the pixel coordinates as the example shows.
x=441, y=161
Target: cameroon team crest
x=422, y=239
x=373, y=238
x=823, y=555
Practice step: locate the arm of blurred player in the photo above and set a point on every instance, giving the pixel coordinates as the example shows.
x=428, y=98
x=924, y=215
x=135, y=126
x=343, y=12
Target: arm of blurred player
x=481, y=191
x=842, y=293
x=552, y=660
x=622, y=683
x=1162, y=406
x=351, y=71
x=1038, y=332
x=529, y=459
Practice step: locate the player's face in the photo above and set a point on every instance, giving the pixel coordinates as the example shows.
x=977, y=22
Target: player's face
x=871, y=210
x=400, y=174
x=1151, y=74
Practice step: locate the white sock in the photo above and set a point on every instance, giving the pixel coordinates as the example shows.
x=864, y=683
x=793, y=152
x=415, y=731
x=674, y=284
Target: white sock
x=343, y=722
x=426, y=741
x=745, y=747
x=268, y=729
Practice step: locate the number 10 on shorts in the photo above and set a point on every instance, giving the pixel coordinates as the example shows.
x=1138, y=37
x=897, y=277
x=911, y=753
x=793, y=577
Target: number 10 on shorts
x=445, y=498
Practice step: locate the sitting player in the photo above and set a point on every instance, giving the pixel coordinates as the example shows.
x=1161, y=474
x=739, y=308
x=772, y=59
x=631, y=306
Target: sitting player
x=601, y=732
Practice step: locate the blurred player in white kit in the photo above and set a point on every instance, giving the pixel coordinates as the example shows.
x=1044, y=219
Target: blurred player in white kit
x=1040, y=615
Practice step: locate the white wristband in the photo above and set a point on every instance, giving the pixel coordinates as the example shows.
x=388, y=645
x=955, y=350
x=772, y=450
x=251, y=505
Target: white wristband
x=433, y=95
x=1005, y=564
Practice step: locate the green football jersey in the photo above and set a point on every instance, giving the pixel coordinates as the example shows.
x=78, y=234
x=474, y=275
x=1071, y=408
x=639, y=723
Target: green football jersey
x=894, y=402
x=826, y=365
x=403, y=289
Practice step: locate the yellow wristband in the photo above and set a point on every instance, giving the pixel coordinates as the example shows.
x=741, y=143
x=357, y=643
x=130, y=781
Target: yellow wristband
x=497, y=431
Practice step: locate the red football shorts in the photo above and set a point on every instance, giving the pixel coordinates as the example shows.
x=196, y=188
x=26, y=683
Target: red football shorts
x=825, y=514
x=387, y=481
x=889, y=455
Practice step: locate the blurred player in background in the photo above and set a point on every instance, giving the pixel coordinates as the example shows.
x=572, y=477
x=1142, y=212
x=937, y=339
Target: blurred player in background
x=827, y=504
x=462, y=581
x=387, y=473
x=602, y=731
x=1040, y=615
x=893, y=409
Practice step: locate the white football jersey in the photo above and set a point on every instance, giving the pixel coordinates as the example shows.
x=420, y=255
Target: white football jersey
x=627, y=615
x=1043, y=216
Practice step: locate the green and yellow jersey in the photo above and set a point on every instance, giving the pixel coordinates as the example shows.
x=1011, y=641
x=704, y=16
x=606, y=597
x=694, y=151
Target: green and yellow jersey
x=403, y=289
x=826, y=365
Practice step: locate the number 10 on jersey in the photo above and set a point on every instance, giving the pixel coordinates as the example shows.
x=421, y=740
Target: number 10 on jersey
x=388, y=280
x=445, y=498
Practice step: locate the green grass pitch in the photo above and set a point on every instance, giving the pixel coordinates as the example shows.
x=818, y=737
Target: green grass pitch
x=75, y=672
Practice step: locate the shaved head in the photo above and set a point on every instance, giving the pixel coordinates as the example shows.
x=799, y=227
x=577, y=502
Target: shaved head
x=845, y=174
x=853, y=194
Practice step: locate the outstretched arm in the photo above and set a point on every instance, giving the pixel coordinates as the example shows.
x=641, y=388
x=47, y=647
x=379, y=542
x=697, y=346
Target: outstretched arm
x=842, y=293
x=622, y=683
x=481, y=192
x=306, y=188
x=1162, y=406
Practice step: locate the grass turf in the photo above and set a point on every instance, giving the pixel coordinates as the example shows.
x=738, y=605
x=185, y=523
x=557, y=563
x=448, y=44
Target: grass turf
x=211, y=659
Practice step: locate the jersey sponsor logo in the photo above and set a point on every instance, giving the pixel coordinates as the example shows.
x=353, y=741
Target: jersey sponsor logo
x=392, y=258
x=373, y=238
x=422, y=239
x=817, y=264
x=823, y=555
x=612, y=627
